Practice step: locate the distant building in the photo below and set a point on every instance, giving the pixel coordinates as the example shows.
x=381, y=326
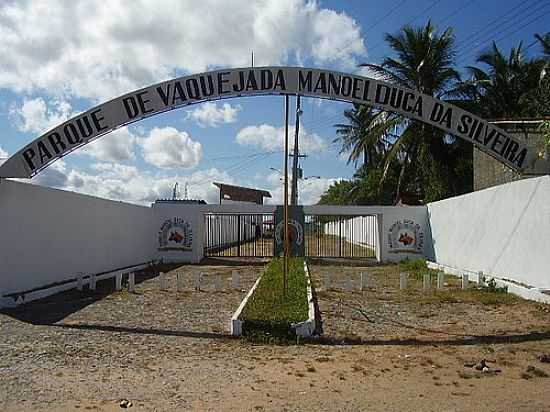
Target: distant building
x=182, y=201
x=489, y=171
x=230, y=193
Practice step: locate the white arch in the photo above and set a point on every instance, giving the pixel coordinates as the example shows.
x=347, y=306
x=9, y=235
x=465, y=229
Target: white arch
x=254, y=81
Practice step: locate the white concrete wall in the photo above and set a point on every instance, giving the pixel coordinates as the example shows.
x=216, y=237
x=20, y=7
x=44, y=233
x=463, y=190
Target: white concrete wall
x=503, y=231
x=48, y=236
x=362, y=230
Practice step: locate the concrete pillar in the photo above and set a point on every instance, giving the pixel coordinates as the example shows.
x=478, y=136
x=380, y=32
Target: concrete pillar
x=427, y=283
x=464, y=281
x=236, y=280
x=327, y=281
x=80, y=281
x=92, y=281
x=364, y=280
x=131, y=282
x=118, y=281
x=403, y=280
x=440, y=280
x=480, y=278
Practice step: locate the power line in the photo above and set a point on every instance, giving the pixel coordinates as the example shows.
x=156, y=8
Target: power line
x=466, y=42
x=540, y=16
x=385, y=16
x=456, y=11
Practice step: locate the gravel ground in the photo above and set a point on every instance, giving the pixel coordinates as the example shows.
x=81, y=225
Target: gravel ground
x=168, y=350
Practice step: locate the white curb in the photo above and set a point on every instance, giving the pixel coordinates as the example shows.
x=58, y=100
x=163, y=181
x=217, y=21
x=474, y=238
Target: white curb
x=236, y=323
x=306, y=328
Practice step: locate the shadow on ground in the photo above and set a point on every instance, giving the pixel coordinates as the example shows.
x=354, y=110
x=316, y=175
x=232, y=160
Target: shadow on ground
x=57, y=307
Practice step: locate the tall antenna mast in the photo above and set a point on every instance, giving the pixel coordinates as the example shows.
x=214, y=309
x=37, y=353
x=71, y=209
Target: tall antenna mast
x=186, y=192
x=252, y=58
x=175, y=194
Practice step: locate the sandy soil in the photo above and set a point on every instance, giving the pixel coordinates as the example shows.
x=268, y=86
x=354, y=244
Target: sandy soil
x=168, y=350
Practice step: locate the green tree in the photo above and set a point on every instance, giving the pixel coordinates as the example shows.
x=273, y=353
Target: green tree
x=506, y=84
x=365, y=135
x=424, y=62
x=544, y=41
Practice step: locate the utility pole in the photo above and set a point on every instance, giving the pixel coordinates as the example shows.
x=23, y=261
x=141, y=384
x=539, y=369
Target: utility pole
x=285, y=204
x=294, y=189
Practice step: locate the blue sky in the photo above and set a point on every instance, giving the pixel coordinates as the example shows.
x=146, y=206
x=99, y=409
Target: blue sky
x=61, y=58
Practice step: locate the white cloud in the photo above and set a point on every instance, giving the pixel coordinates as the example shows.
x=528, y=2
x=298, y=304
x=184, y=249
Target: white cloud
x=309, y=191
x=272, y=138
x=85, y=49
x=117, y=146
x=209, y=114
x=129, y=184
x=37, y=116
x=3, y=155
x=170, y=148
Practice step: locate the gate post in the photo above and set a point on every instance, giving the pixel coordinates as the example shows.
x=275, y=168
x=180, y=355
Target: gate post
x=238, y=235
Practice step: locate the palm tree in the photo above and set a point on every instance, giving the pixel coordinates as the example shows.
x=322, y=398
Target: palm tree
x=365, y=135
x=544, y=41
x=499, y=90
x=424, y=62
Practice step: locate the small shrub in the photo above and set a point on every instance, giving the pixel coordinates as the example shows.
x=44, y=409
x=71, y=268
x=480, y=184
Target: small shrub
x=492, y=287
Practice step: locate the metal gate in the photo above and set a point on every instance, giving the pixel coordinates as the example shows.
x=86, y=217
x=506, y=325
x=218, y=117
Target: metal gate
x=341, y=236
x=238, y=234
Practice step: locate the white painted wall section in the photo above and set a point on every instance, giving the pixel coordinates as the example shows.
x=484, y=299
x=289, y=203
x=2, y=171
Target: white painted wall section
x=503, y=231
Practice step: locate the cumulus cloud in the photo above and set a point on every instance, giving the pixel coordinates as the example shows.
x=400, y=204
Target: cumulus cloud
x=84, y=49
x=210, y=114
x=309, y=191
x=117, y=146
x=272, y=138
x=168, y=147
x=37, y=116
x=129, y=184
x=3, y=155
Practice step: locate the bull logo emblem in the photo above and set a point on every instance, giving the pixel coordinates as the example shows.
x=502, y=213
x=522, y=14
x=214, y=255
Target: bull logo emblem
x=405, y=239
x=175, y=237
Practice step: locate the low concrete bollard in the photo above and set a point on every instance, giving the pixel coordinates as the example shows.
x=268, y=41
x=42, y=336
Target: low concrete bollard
x=236, y=280
x=348, y=285
x=480, y=278
x=118, y=281
x=198, y=280
x=427, y=283
x=465, y=281
x=403, y=280
x=218, y=282
x=162, y=281
x=179, y=282
x=364, y=280
x=93, y=281
x=440, y=280
x=131, y=282
x=327, y=281
x=80, y=281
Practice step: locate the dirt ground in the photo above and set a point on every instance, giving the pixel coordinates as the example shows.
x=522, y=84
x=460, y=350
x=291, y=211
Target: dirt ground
x=382, y=349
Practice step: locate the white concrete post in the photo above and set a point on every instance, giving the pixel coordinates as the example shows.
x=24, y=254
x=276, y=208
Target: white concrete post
x=236, y=280
x=327, y=281
x=198, y=281
x=118, y=281
x=364, y=280
x=179, y=281
x=427, y=284
x=464, y=281
x=348, y=286
x=162, y=281
x=218, y=282
x=79, y=281
x=480, y=278
x=403, y=280
x=440, y=280
x=131, y=282
x=92, y=281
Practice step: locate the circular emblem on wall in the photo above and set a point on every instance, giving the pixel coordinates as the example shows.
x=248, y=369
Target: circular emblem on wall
x=405, y=236
x=295, y=232
x=175, y=234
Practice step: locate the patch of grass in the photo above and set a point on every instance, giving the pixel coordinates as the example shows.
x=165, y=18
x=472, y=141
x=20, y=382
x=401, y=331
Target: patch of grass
x=416, y=268
x=270, y=312
x=492, y=287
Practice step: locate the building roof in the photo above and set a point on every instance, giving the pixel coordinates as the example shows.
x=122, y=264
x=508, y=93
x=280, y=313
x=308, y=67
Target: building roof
x=223, y=186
